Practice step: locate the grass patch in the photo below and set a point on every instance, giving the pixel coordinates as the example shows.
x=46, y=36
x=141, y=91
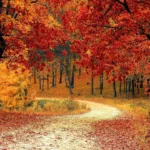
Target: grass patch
x=55, y=107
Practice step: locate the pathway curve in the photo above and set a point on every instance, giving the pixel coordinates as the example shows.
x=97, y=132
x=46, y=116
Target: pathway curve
x=72, y=132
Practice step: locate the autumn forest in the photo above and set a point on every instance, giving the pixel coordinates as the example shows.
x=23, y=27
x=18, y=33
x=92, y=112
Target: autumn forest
x=81, y=62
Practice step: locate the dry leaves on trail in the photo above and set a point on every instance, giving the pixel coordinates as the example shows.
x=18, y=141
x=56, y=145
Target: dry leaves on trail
x=120, y=134
x=14, y=120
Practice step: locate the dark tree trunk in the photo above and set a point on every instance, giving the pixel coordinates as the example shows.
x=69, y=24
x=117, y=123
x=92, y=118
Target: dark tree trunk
x=101, y=84
x=114, y=88
x=43, y=83
x=137, y=85
x=25, y=92
x=79, y=71
x=133, y=88
x=127, y=88
x=70, y=88
x=68, y=73
x=120, y=88
x=53, y=77
x=2, y=45
x=114, y=85
x=61, y=73
x=92, y=85
x=37, y=74
x=129, y=85
x=40, y=85
x=34, y=74
x=72, y=78
x=2, y=41
x=47, y=81
x=124, y=86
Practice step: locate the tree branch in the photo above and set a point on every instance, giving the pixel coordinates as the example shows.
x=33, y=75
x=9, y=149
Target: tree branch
x=34, y=1
x=125, y=5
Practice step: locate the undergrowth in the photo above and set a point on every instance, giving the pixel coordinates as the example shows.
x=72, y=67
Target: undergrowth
x=52, y=106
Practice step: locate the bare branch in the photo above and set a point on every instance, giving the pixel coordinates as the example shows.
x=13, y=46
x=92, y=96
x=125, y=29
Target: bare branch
x=34, y=1
x=125, y=5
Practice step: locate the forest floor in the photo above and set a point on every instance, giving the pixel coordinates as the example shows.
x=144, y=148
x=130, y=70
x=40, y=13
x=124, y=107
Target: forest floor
x=70, y=132
x=103, y=128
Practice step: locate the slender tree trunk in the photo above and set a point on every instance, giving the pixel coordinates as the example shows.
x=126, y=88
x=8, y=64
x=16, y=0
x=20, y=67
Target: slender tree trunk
x=101, y=84
x=129, y=85
x=138, y=90
x=40, y=85
x=68, y=73
x=114, y=88
x=37, y=74
x=72, y=78
x=61, y=73
x=133, y=88
x=124, y=86
x=70, y=88
x=47, y=81
x=43, y=83
x=114, y=85
x=53, y=77
x=34, y=74
x=120, y=88
x=92, y=85
x=79, y=71
x=127, y=88
x=25, y=92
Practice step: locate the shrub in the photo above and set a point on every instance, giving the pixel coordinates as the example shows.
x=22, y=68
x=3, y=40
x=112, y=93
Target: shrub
x=41, y=103
x=71, y=105
x=28, y=104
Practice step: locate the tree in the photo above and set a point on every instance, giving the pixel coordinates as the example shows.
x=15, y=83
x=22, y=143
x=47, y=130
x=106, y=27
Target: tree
x=117, y=32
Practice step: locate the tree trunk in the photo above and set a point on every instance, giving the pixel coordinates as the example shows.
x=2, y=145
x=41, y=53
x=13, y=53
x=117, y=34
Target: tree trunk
x=124, y=87
x=138, y=90
x=126, y=91
x=53, y=77
x=114, y=88
x=72, y=78
x=68, y=73
x=25, y=92
x=55, y=81
x=47, y=81
x=101, y=84
x=127, y=88
x=92, y=85
x=61, y=73
x=114, y=85
x=79, y=71
x=133, y=88
x=34, y=74
x=43, y=83
x=120, y=88
x=40, y=85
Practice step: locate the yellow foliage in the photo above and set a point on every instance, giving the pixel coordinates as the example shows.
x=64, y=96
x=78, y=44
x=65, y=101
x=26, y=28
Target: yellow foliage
x=12, y=85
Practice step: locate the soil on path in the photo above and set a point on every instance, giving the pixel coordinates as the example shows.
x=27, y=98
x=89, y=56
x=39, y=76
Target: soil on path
x=72, y=132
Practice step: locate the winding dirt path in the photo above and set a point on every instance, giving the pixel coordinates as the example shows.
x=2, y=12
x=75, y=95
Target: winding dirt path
x=72, y=132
